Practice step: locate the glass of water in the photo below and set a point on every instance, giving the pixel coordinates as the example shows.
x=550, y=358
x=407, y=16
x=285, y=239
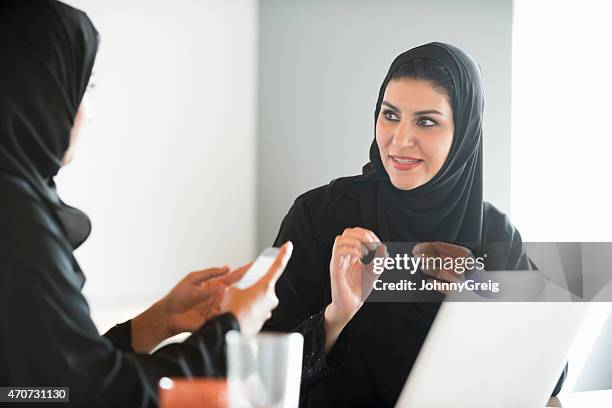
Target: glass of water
x=264, y=370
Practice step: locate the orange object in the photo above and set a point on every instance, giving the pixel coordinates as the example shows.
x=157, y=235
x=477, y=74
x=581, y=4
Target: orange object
x=188, y=393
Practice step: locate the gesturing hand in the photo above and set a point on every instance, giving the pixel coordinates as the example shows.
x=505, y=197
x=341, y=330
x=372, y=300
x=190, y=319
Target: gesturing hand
x=253, y=306
x=351, y=280
x=194, y=300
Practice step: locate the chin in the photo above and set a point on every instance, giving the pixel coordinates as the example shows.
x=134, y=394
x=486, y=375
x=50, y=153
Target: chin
x=405, y=184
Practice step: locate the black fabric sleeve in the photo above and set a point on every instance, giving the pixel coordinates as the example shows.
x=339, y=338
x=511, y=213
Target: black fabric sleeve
x=121, y=336
x=316, y=364
x=303, y=291
x=49, y=339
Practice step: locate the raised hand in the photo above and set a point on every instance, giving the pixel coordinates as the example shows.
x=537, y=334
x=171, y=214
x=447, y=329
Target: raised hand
x=351, y=280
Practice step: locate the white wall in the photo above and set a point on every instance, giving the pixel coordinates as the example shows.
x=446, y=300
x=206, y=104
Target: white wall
x=561, y=148
x=320, y=67
x=166, y=168
x=561, y=136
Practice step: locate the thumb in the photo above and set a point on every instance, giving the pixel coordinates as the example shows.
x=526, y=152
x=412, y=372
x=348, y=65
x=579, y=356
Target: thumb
x=278, y=266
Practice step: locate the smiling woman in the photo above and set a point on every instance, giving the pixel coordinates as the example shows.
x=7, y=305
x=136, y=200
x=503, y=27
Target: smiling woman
x=414, y=130
x=423, y=184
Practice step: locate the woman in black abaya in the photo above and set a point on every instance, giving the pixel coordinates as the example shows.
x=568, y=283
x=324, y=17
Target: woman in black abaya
x=423, y=184
x=47, y=337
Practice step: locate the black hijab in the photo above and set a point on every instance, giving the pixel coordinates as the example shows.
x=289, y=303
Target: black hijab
x=43, y=79
x=449, y=207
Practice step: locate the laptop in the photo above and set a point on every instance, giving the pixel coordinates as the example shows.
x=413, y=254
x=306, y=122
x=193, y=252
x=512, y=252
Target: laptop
x=493, y=354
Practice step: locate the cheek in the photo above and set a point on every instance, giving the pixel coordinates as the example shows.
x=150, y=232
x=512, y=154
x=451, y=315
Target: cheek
x=383, y=137
x=436, y=147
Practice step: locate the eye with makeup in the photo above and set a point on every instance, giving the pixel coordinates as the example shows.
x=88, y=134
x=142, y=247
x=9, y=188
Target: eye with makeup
x=424, y=121
x=390, y=115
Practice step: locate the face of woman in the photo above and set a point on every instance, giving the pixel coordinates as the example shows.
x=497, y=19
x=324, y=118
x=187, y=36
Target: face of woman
x=414, y=132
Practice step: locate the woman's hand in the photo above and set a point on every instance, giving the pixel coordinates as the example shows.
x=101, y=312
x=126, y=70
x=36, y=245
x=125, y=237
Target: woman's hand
x=253, y=306
x=351, y=280
x=444, y=251
x=203, y=294
x=194, y=300
x=197, y=298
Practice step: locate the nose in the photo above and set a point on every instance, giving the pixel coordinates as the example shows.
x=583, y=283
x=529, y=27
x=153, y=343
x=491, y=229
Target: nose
x=404, y=135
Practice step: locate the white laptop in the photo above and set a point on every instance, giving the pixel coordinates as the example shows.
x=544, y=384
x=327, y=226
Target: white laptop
x=493, y=354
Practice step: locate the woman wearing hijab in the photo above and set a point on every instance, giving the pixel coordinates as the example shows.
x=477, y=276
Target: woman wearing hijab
x=47, y=337
x=423, y=185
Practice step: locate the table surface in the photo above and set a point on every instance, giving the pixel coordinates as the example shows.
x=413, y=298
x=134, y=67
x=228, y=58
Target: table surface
x=586, y=399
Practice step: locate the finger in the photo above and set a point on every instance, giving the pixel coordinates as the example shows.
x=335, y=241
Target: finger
x=349, y=249
x=217, y=291
x=354, y=264
x=363, y=235
x=197, y=277
x=210, y=292
x=234, y=276
x=345, y=265
x=452, y=250
x=443, y=275
x=424, y=248
x=430, y=260
x=278, y=266
x=381, y=252
x=448, y=267
x=343, y=241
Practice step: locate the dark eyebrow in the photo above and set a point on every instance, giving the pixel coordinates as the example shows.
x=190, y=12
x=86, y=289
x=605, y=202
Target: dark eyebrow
x=428, y=112
x=417, y=113
x=391, y=106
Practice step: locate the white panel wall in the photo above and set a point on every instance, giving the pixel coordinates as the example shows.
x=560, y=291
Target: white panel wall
x=166, y=168
x=561, y=149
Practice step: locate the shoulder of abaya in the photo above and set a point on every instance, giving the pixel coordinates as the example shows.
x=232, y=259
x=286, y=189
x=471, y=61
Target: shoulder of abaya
x=497, y=225
x=25, y=219
x=330, y=208
x=324, y=198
